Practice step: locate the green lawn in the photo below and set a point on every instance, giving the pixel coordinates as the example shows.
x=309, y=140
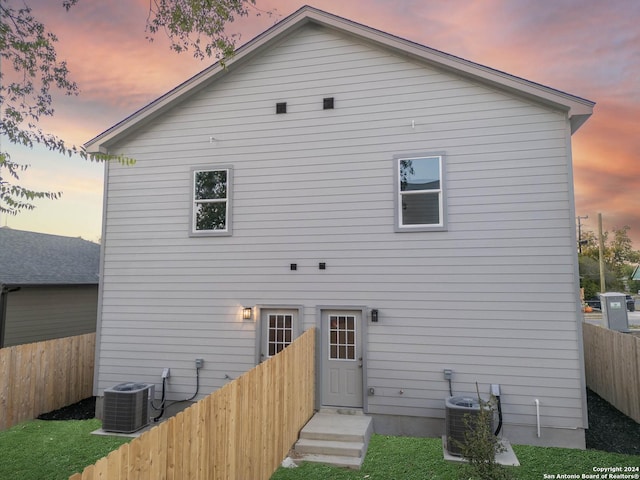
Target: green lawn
x=52, y=450
x=406, y=458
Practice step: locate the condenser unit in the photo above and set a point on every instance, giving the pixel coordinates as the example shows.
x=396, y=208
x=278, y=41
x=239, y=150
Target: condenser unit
x=127, y=407
x=456, y=408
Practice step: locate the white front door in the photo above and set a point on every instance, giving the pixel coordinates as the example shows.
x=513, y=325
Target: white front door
x=341, y=354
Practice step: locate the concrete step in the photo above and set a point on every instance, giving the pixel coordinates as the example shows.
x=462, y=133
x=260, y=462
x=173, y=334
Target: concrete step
x=334, y=460
x=339, y=439
x=339, y=428
x=329, y=447
x=341, y=411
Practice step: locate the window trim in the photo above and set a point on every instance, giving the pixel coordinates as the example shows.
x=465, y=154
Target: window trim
x=228, y=231
x=442, y=193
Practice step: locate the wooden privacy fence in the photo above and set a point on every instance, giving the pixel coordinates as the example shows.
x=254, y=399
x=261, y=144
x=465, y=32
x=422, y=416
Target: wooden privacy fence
x=612, y=366
x=243, y=430
x=40, y=377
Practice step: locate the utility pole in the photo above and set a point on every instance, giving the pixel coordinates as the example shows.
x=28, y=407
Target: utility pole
x=603, y=287
x=580, y=232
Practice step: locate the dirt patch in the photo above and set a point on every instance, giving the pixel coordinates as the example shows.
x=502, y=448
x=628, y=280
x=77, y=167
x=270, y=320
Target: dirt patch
x=609, y=429
x=83, y=410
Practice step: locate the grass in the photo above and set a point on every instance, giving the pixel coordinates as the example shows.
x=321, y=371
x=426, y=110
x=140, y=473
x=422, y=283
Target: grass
x=55, y=450
x=52, y=450
x=405, y=458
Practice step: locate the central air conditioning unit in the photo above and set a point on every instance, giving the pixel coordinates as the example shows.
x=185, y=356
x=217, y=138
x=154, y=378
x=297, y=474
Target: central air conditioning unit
x=456, y=408
x=127, y=407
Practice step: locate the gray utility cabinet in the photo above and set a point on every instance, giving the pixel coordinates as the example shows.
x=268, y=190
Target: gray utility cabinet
x=614, y=311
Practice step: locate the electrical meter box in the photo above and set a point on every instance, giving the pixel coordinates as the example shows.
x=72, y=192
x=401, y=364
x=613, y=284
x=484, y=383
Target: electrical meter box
x=614, y=311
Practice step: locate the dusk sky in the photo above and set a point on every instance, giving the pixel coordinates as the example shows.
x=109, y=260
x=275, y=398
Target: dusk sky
x=589, y=48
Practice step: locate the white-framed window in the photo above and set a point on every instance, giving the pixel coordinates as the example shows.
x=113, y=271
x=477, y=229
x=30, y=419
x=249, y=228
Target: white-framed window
x=211, y=201
x=420, y=200
x=280, y=328
x=342, y=337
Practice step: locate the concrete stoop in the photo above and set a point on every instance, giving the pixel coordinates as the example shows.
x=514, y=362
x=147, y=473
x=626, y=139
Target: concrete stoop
x=335, y=437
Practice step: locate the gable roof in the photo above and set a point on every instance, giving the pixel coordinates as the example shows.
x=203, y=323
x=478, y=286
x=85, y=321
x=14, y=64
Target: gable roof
x=29, y=258
x=579, y=109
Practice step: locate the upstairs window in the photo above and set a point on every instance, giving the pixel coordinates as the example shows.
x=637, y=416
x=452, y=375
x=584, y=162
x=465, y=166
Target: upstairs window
x=419, y=199
x=211, y=209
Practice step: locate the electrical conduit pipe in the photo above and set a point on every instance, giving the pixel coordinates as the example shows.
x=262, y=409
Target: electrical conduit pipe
x=537, y=402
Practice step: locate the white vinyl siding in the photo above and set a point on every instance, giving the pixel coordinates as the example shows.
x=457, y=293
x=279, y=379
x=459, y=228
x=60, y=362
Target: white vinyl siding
x=493, y=297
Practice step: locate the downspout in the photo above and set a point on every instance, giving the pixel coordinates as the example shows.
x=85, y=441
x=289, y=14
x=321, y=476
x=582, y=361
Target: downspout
x=4, y=293
x=3, y=312
x=537, y=402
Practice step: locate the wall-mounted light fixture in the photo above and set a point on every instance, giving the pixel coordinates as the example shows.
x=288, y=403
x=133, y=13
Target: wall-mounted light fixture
x=374, y=315
x=247, y=313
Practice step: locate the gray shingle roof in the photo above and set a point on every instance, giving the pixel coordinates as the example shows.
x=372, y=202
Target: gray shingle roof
x=29, y=258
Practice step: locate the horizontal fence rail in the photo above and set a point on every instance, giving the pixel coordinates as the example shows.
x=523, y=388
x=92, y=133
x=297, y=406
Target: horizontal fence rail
x=243, y=430
x=612, y=367
x=40, y=377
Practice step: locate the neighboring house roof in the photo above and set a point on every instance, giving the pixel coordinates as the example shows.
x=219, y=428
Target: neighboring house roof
x=578, y=109
x=29, y=258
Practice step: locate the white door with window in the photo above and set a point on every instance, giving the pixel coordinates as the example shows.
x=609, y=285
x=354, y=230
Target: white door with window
x=279, y=327
x=341, y=356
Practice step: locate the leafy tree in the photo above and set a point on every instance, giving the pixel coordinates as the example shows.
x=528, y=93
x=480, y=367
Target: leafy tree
x=634, y=285
x=621, y=249
x=198, y=25
x=618, y=256
x=27, y=52
x=480, y=445
x=590, y=276
x=30, y=74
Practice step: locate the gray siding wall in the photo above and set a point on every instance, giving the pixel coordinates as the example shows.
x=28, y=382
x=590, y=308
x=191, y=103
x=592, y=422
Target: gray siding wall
x=493, y=297
x=35, y=314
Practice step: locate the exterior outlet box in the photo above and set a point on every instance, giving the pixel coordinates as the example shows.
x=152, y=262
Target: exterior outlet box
x=166, y=373
x=448, y=374
x=199, y=363
x=495, y=389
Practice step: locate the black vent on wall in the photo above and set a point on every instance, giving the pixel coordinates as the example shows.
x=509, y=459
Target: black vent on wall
x=327, y=103
x=281, y=107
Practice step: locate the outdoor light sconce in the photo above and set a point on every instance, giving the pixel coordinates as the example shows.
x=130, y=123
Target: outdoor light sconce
x=247, y=313
x=374, y=315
